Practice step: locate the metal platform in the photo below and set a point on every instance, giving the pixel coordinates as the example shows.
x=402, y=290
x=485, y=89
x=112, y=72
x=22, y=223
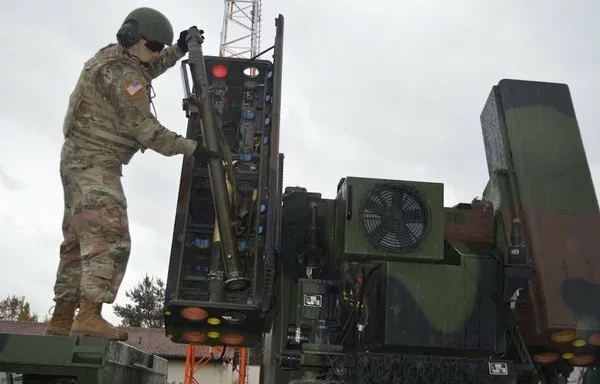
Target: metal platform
x=77, y=360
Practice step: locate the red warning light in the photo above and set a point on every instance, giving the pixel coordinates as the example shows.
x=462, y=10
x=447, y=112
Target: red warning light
x=219, y=71
x=546, y=357
x=194, y=313
x=232, y=339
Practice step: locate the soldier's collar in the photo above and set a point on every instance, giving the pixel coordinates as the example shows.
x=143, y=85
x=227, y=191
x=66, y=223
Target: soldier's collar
x=131, y=57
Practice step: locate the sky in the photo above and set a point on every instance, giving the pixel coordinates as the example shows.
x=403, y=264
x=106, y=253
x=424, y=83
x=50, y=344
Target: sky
x=386, y=89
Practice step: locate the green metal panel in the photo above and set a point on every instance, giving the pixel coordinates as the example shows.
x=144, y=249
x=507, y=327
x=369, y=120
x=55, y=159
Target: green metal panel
x=445, y=294
x=425, y=305
x=546, y=147
x=356, y=246
x=497, y=191
x=88, y=360
x=531, y=132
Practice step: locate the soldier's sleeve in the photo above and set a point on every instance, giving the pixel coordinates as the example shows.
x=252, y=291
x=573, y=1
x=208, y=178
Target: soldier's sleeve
x=168, y=58
x=126, y=89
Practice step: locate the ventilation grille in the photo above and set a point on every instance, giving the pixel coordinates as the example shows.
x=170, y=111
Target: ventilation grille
x=395, y=218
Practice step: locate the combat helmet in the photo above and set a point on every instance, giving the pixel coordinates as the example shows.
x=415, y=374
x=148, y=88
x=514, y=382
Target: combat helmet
x=145, y=22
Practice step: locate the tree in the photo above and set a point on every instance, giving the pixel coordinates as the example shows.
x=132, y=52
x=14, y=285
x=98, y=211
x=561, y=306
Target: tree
x=16, y=309
x=147, y=309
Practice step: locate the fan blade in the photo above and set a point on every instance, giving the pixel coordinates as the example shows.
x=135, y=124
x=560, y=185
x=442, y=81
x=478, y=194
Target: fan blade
x=379, y=232
x=414, y=215
x=375, y=207
x=403, y=234
x=398, y=197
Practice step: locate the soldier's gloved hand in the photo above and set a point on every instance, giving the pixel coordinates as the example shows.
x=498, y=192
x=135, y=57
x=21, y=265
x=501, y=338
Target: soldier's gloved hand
x=182, y=43
x=203, y=154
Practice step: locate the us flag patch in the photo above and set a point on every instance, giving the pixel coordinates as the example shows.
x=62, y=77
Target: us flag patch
x=134, y=87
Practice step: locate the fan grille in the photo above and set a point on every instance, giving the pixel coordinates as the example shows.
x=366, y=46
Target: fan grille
x=395, y=218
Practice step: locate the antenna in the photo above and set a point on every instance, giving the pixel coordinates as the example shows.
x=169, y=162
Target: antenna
x=240, y=35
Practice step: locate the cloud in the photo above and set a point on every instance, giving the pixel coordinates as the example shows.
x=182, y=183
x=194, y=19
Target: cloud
x=8, y=182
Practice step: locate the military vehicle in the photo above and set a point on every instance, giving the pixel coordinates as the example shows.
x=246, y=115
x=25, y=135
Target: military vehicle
x=383, y=283
x=393, y=287
x=34, y=359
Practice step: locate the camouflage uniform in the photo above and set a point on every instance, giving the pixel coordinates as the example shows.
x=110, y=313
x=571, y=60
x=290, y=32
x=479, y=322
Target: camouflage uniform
x=107, y=122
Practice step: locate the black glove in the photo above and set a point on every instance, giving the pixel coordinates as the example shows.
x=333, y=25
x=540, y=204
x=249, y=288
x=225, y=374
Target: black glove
x=203, y=154
x=182, y=43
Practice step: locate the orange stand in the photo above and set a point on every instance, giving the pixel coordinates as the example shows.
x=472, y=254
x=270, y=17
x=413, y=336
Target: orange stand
x=193, y=363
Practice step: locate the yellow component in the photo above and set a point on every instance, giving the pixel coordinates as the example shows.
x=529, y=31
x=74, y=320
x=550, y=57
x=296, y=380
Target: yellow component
x=579, y=343
x=213, y=321
x=213, y=334
x=568, y=355
x=167, y=313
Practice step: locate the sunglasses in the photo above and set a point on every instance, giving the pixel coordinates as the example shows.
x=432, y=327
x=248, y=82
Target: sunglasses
x=154, y=46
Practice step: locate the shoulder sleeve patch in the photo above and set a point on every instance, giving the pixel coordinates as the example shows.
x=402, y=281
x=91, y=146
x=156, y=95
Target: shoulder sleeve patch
x=134, y=87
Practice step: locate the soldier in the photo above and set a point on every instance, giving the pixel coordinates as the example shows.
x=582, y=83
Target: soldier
x=107, y=121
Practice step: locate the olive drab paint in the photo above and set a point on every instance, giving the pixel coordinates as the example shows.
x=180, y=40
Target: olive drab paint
x=539, y=173
x=148, y=23
x=58, y=359
x=394, y=287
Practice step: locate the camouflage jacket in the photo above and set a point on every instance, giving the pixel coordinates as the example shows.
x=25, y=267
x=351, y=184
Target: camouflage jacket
x=108, y=117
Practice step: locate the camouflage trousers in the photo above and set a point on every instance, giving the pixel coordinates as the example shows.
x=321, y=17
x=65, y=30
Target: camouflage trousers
x=96, y=245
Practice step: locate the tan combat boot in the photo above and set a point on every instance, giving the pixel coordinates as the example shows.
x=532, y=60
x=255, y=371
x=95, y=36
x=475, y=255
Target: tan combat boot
x=89, y=322
x=62, y=319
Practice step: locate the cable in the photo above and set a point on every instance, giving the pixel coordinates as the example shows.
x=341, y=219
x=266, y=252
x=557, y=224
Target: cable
x=354, y=314
x=258, y=55
x=220, y=357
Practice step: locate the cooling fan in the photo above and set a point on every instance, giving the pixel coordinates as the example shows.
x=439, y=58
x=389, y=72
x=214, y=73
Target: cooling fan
x=390, y=220
x=395, y=218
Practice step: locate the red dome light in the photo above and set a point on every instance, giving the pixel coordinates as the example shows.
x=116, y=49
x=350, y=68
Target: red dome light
x=219, y=71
